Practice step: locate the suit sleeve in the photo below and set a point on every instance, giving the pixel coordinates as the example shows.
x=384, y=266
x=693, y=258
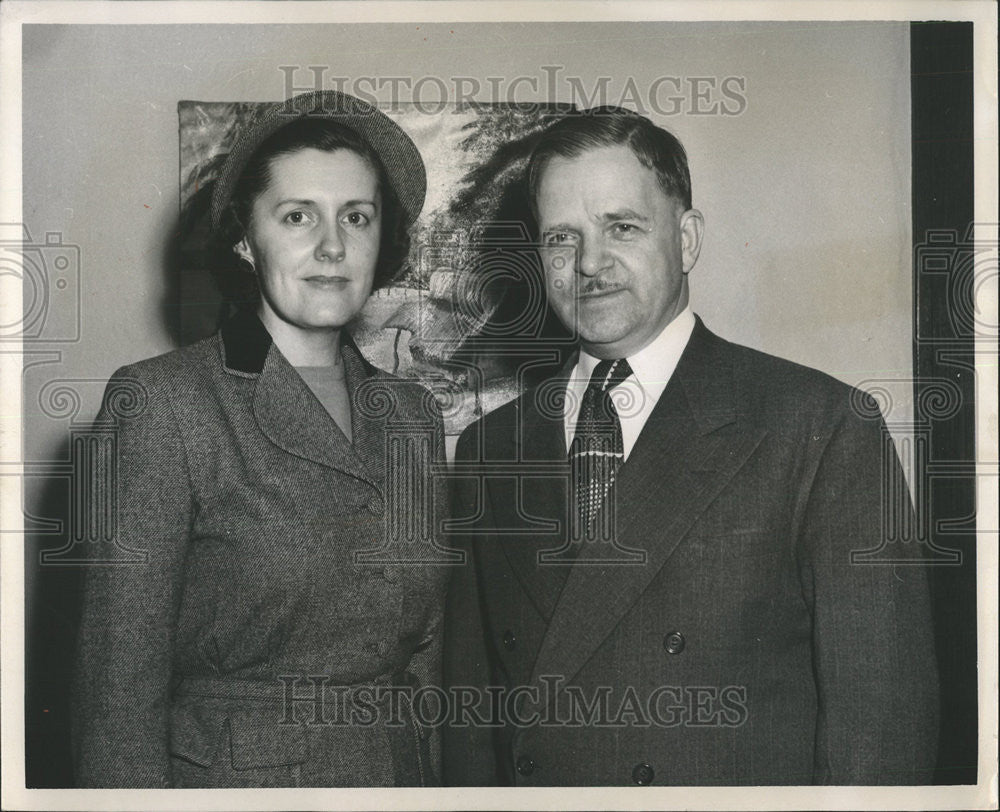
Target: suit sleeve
x=425, y=663
x=469, y=754
x=126, y=638
x=873, y=645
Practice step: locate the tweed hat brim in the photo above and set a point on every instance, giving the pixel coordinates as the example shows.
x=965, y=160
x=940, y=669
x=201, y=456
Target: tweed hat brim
x=399, y=155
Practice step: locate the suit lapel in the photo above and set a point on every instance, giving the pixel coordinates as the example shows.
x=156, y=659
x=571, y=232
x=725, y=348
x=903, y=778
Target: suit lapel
x=369, y=426
x=293, y=419
x=690, y=448
x=286, y=410
x=542, y=494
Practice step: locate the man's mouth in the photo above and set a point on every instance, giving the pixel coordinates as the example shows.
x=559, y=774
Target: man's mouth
x=598, y=291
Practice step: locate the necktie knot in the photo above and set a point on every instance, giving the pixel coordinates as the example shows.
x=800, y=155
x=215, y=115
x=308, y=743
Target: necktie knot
x=609, y=373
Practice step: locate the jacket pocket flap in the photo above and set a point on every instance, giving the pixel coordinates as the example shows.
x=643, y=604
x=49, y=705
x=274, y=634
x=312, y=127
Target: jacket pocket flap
x=195, y=731
x=258, y=740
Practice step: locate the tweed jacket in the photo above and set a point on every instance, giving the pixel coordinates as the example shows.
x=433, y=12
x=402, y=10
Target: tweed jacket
x=274, y=581
x=747, y=626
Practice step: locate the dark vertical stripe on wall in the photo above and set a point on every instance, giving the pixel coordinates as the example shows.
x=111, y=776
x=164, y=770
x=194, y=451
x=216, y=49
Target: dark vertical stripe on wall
x=942, y=108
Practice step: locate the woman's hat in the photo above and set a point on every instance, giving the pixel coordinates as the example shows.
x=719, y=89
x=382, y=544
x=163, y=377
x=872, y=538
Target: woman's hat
x=399, y=155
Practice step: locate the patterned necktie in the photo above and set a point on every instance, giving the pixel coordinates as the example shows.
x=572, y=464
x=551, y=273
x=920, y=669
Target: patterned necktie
x=597, y=451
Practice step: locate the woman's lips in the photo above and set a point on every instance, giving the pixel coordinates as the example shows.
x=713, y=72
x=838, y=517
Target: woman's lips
x=334, y=282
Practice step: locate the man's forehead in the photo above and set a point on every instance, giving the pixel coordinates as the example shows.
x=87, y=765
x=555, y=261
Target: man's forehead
x=605, y=180
x=610, y=156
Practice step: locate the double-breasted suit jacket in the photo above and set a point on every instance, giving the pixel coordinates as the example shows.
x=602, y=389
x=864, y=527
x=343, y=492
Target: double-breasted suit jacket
x=734, y=638
x=254, y=513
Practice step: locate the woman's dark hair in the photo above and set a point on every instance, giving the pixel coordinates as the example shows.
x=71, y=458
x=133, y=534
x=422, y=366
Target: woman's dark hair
x=328, y=136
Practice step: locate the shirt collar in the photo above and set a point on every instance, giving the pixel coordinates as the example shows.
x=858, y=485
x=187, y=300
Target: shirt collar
x=653, y=365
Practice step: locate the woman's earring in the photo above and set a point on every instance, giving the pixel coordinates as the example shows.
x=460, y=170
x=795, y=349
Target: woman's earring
x=245, y=259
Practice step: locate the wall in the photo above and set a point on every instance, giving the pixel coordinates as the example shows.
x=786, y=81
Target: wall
x=805, y=192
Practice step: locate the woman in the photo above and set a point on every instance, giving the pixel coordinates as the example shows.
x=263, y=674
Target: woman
x=266, y=641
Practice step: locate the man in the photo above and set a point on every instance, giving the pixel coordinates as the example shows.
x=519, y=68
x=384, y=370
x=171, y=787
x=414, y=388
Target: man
x=661, y=587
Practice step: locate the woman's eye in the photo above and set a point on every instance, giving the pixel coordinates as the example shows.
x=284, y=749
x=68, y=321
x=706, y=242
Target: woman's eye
x=296, y=218
x=356, y=218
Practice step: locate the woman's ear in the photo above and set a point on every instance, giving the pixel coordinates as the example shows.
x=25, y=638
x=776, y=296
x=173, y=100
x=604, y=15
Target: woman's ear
x=243, y=250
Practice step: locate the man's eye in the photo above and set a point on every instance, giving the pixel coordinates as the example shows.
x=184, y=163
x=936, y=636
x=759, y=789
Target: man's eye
x=558, y=238
x=625, y=228
x=356, y=218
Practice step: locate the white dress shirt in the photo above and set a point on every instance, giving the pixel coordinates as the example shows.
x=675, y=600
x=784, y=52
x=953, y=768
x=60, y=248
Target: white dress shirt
x=636, y=396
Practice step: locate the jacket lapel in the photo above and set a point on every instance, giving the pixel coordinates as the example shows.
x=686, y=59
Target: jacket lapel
x=286, y=410
x=369, y=426
x=542, y=494
x=689, y=449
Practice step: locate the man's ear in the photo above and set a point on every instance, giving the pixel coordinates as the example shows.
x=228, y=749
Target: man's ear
x=692, y=226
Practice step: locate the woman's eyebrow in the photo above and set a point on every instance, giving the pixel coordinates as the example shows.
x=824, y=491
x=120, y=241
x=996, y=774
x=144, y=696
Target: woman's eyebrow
x=296, y=201
x=307, y=202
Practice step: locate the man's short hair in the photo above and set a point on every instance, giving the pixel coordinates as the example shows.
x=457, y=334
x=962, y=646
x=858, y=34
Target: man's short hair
x=610, y=126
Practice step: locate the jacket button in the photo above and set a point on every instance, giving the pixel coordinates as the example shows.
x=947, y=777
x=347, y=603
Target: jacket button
x=509, y=641
x=383, y=648
x=390, y=573
x=643, y=774
x=673, y=642
x=525, y=765
x=376, y=506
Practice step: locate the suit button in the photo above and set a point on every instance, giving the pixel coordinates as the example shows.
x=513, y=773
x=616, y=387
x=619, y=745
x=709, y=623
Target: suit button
x=643, y=774
x=509, y=641
x=525, y=765
x=673, y=642
x=390, y=573
x=376, y=506
x=383, y=648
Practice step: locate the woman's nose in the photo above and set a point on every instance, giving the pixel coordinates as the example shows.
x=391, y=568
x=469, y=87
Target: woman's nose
x=331, y=245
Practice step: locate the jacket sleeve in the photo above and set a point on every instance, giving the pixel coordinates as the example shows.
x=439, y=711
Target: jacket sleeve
x=126, y=638
x=469, y=754
x=873, y=643
x=425, y=663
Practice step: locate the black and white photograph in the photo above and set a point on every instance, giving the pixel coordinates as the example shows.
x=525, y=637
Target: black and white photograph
x=457, y=405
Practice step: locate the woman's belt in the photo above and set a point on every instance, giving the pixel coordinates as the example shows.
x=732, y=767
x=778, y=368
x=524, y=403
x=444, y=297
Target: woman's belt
x=292, y=686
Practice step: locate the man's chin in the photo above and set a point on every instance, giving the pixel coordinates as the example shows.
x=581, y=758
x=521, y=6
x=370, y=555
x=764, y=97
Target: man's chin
x=603, y=343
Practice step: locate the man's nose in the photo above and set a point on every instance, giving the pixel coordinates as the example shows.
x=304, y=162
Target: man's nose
x=592, y=258
x=331, y=244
